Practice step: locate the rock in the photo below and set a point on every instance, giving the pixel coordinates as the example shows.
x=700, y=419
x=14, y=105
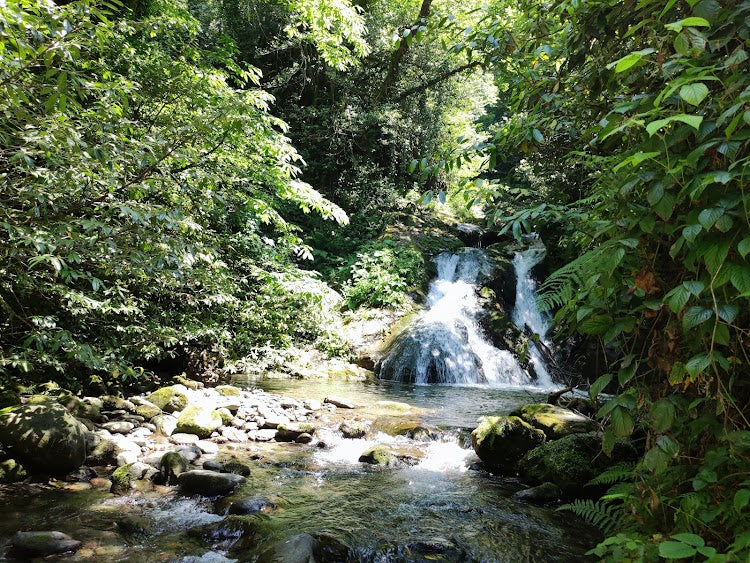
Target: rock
x=212, y=465
x=171, y=466
x=227, y=390
x=541, y=494
x=42, y=544
x=190, y=452
x=339, y=402
x=312, y=404
x=569, y=462
x=555, y=421
x=148, y=410
x=239, y=531
x=126, y=458
x=291, y=431
x=180, y=438
x=207, y=447
x=353, y=429
x=169, y=399
x=234, y=434
x=251, y=505
x=209, y=483
x=134, y=525
x=188, y=383
x=306, y=548
x=304, y=438
x=44, y=437
x=501, y=441
x=100, y=483
x=379, y=456
x=199, y=420
x=394, y=405
x=236, y=467
x=433, y=549
x=225, y=415
x=263, y=435
x=123, y=479
x=110, y=402
x=165, y=424
x=104, y=453
x=273, y=420
x=11, y=471
x=82, y=475
x=118, y=427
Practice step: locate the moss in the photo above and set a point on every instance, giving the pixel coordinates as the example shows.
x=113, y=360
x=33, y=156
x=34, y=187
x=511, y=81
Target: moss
x=11, y=471
x=189, y=383
x=226, y=415
x=501, y=441
x=379, y=456
x=168, y=399
x=148, y=411
x=227, y=390
x=555, y=421
x=201, y=421
x=122, y=480
x=236, y=467
x=172, y=464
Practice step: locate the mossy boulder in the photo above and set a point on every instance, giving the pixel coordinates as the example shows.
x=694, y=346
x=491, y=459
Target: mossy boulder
x=227, y=390
x=209, y=483
x=124, y=478
x=41, y=544
x=570, y=462
x=555, y=421
x=226, y=415
x=44, y=437
x=236, y=529
x=501, y=441
x=148, y=410
x=199, y=420
x=112, y=402
x=353, y=429
x=168, y=399
x=104, y=453
x=11, y=471
x=171, y=466
x=237, y=467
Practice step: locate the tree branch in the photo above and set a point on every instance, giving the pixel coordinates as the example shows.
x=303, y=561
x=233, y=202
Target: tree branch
x=437, y=80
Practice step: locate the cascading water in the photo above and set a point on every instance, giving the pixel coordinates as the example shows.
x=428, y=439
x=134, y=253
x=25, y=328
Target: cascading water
x=526, y=314
x=445, y=344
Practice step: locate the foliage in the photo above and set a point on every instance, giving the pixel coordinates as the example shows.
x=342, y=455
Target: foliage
x=141, y=195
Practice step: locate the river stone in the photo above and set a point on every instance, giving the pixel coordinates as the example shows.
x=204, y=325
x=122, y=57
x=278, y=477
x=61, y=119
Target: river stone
x=291, y=431
x=237, y=467
x=199, y=420
x=118, y=427
x=188, y=383
x=234, y=434
x=180, y=438
x=11, y=471
x=104, y=453
x=171, y=466
x=126, y=457
x=165, y=424
x=148, y=410
x=110, y=402
x=124, y=478
x=45, y=437
x=339, y=402
x=379, y=455
x=42, y=544
x=306, y=548
x=227, y=390
x=208, y=448
x=555, y=421
x=263, y=435
x=501, y=441
x=251, y=505
x=353, y=429
x=304, y=438
x=190, y=452
x=209, y=483
x=225, y=415
x=541, y=494
x=169, y=399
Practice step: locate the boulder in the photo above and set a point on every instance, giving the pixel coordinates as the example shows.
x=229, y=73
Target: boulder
x=236, y=467
x=42, y=544
x=227, y=390
x=209, y=483
x=168, y=399
x=118, y=427
x=124, y=477
x=110, y=402
x=501, y=441
x=306, y=548
x=339, y=402
x=353, y=429
x=555, y=421
x=238, y=531
x=171, y=466
x=199, y=420
x=147, y=410
x=234, y=434
x=44, y=437
x=11, y=471
x=225, y=415
x=541, y=494
x=104, y=453
x=291, y=431
x=206, y=447
x=165, y=424
x=304, y=438
x=251, y=505
x=188, y=383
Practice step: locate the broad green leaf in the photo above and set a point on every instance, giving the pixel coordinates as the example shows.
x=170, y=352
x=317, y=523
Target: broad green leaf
x=693, y=120
x=691, y=231
x=690, y=539
x=694, y=93
x=708, y=217
x=697, y=364
x=695, y=287
x=696, y=315
x=622, y=422
x=687, y=22
x=663, y=413
x=743, y=247
x=741, y=498
x=727, y=312
x=740, y=277
x=630, y=60
x=677, y=298
x=598, y=385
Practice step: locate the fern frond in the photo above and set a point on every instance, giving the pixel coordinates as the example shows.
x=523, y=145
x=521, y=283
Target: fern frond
x=601, y=514
x=615, y=474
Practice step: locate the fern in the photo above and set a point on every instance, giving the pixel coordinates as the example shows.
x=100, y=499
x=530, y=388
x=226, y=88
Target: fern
x=615, y=474
x=605, y=516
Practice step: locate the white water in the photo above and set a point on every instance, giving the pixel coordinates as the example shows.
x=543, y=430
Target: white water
x=445, y=344
x=526, y=313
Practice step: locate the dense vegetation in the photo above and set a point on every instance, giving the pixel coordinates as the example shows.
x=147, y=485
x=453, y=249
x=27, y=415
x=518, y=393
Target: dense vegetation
x=168, y=169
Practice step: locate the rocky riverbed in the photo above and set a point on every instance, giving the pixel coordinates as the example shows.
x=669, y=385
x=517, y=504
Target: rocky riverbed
x=193, y=474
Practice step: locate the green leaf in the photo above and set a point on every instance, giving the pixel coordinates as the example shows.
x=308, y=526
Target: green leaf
x=413, y=165
x=663, y=414
x=538, y=137
x=709, y=216
x=693, y=120
x=697, y=364
x=630, y=60
x=740, y=277
x=691, y=231
x=695, y=287
x=743, y=247
x=741, y=498
x=676, y=550
x=598, y=385
x=694, y=93
x=727, y=312
x=687, y=22
x=622, y=422
x=690, y=539
x=696, y=315
x=677, y=298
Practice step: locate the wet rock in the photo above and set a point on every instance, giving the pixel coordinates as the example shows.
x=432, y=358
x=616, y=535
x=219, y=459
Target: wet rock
x=379, y=456
x=425, y=551
x=353, y=429
x=394, y=405
x=11, y=471
x=501, y=441
x=274, y=420
x=82, y=475
x=541, y=494
x=169, y=399
x=227, y=390
x=251, y=505
x=236, y=531
x=225, y=415
x=171, y=466
x=148, y=410
x=43, y=437
x=126, y=457
x=104, y=453
x=339, y=402
x=209, y=483
x=199, y=420
x=165, y=424
x=306, y=548
x=190, y=452
x=555, y=421
x=304, y=438
x=212, y=465
x=124, y=478
x=118, y=427
x=188, y=383
x=236, y=467
x=290, y=432
x=100, y=483
x=134, y=525
x=110, y=402
x=42, y=544
x=263, y=435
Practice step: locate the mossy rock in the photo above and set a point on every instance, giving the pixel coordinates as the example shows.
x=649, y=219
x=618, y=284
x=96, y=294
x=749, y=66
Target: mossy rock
x=226, y=415
x=189, y=383
x=42, y=544
x=501, y=441
x=11, y=471
x=123, y=479
x=134, y=525
x=236, y=467
x=171, y=466
x=227, y=390
x=380, y=456
x=545, y=493
x=555, y=421
x=209, y=483
x=199, y=420
x=168, y=399
x=44, y=437
x=570, y=462
x=148, y=410
x=112, y=402
x=353, y=429
x=104, y=453
x=306, y=548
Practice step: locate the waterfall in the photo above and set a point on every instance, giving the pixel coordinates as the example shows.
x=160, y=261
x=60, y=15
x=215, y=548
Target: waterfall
x=445, y=344
x=526, y=314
